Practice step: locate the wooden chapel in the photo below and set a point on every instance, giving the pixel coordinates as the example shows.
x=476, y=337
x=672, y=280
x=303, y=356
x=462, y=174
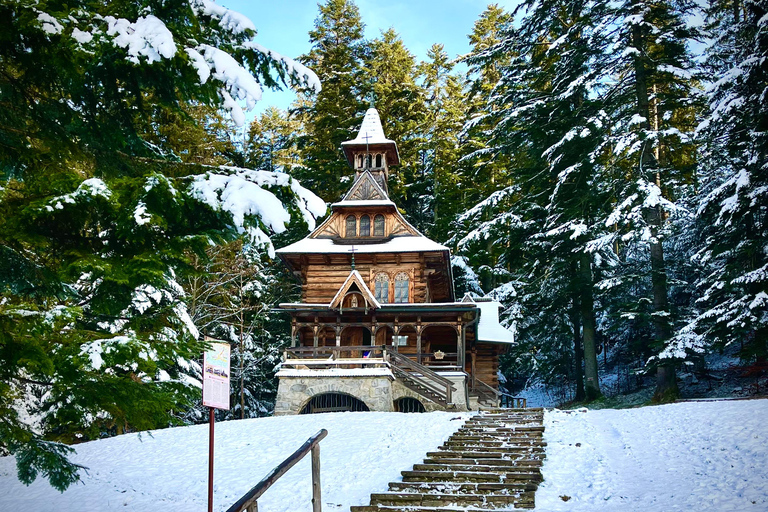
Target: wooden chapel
x=378, y=326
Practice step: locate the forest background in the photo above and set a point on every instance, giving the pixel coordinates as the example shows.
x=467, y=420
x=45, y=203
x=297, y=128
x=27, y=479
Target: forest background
x=588, y=170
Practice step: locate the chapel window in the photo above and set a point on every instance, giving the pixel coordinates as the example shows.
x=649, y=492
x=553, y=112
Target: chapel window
x=378, y=225
x=365, y=226
x=359, y=161
x=382, y=287
x=378, y=160
x=351, y=229
x=401, y=287
x=370, y=160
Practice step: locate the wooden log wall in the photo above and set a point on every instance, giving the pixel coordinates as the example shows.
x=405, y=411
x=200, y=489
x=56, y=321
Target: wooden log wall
x=324, y=275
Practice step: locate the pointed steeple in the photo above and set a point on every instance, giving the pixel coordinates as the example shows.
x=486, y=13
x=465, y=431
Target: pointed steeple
x=371, y=150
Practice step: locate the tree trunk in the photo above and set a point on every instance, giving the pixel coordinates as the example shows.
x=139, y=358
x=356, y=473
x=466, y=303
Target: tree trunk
x=592, y=384
x=666, y=383
x=578, y=351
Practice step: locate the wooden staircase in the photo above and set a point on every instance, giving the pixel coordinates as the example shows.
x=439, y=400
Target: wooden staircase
x=420, y=379
x=493, y=462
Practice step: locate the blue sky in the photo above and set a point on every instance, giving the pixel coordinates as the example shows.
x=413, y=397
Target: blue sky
x=284, y=25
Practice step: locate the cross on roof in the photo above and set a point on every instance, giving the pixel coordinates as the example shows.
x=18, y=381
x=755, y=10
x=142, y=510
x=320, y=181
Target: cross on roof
x=352, y=250
x=367, y=163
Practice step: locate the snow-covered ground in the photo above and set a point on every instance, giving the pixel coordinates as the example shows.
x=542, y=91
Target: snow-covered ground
x=167, y=470
x=702, y=456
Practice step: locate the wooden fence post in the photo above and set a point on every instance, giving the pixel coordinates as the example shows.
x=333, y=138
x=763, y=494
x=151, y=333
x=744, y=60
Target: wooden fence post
x=317, y=505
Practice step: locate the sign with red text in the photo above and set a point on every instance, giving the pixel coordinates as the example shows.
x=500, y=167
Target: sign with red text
x=216, y=376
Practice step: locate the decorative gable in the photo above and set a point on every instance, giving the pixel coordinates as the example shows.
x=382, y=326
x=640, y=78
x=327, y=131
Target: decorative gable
x=365, y=188
x=354, y=283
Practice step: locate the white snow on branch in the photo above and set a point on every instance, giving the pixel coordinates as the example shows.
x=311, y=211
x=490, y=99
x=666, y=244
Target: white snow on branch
x=293, y=68
x=146, y=37
x=49, y=24
x=239, y=84
x=230, y=20
x=199, y=63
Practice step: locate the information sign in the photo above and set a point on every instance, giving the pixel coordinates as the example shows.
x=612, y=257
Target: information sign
x=216, y=376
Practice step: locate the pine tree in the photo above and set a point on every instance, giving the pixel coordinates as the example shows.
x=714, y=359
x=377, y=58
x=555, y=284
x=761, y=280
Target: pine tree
x=272, y=143
x=731, y=217
x=391, y=70
x=334, y=113
x=434, y=186
x=652, y=112
x=101, y=211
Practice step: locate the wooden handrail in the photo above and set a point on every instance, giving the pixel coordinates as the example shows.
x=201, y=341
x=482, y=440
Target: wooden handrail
x=424, y=375
x=248, y=501
x=406, y=361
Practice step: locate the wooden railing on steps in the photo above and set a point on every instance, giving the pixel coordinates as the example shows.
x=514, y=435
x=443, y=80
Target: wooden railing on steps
x=422, y=375
x=488, y=393
x=248, y=502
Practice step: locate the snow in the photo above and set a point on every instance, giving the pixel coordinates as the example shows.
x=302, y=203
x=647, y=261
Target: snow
x=167, y=469
x=140, y=214
x=489, y=328
x=397, y=244
x=230, y=20
x=146, y=37
x=81, y=36
x=686, y=456
x=49, y=24
x=371, y=131
x=199, y=63
x=338, y=372
x=366, y=202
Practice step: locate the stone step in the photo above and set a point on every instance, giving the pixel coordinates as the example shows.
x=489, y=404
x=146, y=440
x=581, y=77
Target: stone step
x=475, y=454
x=483, y=462
x=497, y=438
x=407, y=508
x=438, y=500
x=463, y=488
x=513, y=475
x=521, y=471
x=528, y=464
x=503, y=430
x=501, y=448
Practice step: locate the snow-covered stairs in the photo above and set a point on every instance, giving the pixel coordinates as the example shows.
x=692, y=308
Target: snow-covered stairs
x=491, y=463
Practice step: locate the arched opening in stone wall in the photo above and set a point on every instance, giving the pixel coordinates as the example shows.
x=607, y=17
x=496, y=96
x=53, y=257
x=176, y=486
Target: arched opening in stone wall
x=408, y=404
x=333, y=402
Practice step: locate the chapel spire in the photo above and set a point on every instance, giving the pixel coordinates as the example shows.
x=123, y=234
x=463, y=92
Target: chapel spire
x=371, y=150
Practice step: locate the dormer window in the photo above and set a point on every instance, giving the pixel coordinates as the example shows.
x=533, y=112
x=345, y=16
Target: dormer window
x=365, y=226
x=351, y=227
x=378, y=225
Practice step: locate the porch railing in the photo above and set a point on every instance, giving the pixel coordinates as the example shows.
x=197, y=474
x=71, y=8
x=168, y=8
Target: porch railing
x=421, y=376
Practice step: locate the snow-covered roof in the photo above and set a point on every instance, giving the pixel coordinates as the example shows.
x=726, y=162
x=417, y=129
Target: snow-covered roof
x=370, y=132
x=367, y=202
x=396, y=244
x=488, y=327
x=337, y=372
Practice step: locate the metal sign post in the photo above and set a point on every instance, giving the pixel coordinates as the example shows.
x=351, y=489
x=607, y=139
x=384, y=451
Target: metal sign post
x=215, y=396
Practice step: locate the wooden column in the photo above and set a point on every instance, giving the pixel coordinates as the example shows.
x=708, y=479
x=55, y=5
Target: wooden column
x=418, y=339
x=317, y=504
x=293, y=333
x=462, y=358
x=459, y=343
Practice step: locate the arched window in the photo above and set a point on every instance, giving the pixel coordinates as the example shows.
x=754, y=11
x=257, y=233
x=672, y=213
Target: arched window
x=351, y=229
x=401, y=287
x=359, y=161
x=378, y=225
x=365, y=226
x=370, y=161
x=382, y=287
x=378, y=160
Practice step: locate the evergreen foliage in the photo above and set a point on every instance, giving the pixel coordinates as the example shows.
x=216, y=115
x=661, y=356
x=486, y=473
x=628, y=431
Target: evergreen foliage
x=103, y=206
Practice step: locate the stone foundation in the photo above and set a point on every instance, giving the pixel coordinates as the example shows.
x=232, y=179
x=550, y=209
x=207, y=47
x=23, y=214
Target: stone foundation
x=378, y=392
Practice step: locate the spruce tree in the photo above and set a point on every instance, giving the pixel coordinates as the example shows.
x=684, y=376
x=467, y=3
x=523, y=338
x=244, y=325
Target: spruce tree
x=731, y=217
x=101, y=212
x=333, y=114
